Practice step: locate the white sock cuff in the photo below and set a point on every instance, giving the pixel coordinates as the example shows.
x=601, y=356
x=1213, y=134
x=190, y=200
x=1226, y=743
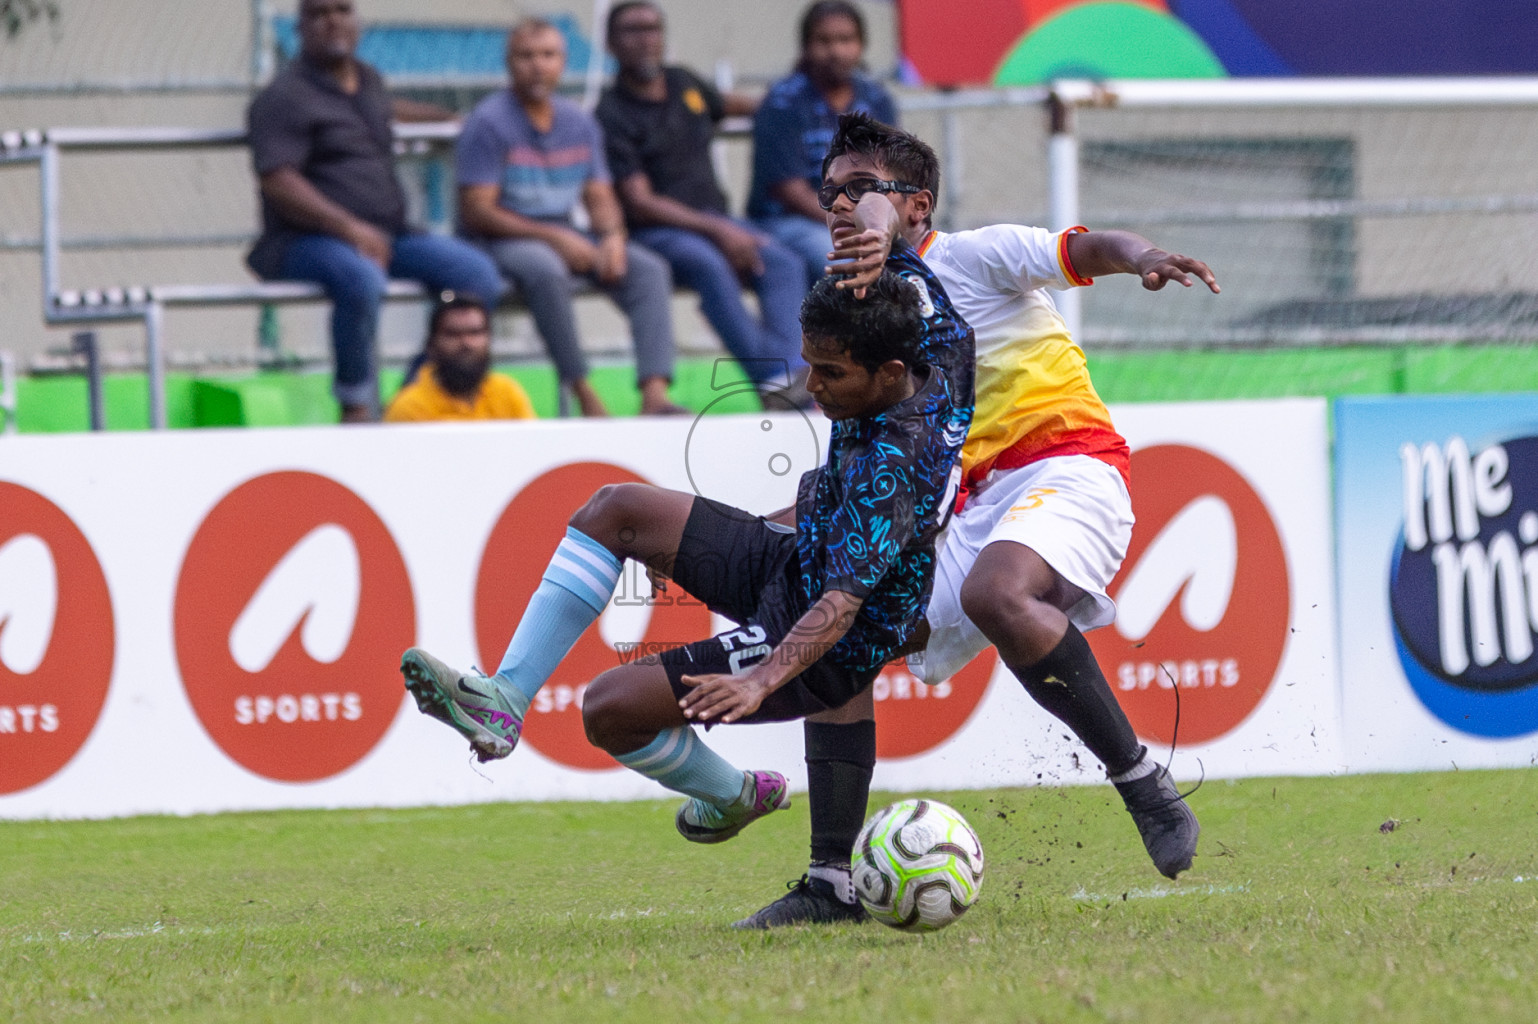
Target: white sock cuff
x=577, y=569
x=836, y=875
x=664, y=754
x=1145, y=766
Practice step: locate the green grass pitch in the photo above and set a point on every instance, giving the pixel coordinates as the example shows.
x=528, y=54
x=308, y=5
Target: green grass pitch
x=1410, y=898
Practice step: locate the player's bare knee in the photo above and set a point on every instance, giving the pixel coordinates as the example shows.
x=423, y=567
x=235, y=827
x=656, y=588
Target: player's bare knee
x=994, y=602
x=605, y=515
x=599, y=718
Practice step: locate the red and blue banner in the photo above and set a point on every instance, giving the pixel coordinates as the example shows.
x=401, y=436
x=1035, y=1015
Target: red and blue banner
x=1023, y=42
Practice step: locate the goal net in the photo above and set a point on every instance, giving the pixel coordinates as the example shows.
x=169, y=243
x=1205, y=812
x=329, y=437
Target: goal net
x=1334, y=212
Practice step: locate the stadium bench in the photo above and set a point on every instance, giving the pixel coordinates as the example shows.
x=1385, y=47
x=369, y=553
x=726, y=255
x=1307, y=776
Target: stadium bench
x=148, y=304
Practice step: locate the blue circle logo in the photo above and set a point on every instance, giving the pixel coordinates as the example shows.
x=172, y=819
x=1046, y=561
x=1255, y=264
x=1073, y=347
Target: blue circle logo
x=1463, y=588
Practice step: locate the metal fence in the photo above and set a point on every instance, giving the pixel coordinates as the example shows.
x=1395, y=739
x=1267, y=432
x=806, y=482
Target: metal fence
x=1358, y=212
x=1335, y=211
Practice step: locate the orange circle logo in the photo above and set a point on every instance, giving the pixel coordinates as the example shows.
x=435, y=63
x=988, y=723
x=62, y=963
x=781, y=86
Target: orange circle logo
x=291, y=611
x=1202, y=600
x=515, y=558
x=912, y=717
x=56, y=638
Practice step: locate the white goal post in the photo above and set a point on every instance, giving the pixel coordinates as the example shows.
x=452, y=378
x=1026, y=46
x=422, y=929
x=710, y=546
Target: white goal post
x=1336, y=211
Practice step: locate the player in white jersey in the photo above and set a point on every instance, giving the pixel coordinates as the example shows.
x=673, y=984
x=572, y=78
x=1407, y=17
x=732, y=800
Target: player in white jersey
x=1046, y=517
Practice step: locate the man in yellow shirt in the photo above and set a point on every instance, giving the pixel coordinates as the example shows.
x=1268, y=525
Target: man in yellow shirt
x=455, y=382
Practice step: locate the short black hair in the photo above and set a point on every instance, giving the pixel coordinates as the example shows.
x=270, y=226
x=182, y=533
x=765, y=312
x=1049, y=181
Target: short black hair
x=820, y=11
x=908, y=158
x=888, y=323
x=619, y=9
x=446, y=302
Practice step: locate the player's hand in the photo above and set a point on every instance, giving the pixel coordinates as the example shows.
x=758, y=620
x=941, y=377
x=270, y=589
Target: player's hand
x=1157, y=268
x=372, y=244
x=610, y=258
x=858, y=257
x=658, y=579
x=723, y=697
x=741, y=247
x=576, y=250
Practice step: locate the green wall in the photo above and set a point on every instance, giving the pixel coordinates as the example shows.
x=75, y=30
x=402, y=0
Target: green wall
x=59, y=403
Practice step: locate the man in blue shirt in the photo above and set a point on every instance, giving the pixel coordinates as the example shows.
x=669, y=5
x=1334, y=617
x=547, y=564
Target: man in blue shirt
x=796, y=122
x=822, y=607
x=526, y=159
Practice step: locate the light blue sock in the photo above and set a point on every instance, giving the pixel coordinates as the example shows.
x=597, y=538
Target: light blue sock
x=574, y=591
x=678, y=760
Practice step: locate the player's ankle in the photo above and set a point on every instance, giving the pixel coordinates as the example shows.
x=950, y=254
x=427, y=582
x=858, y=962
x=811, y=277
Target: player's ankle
x=838, y=877
x=513, y=693
x=1142, y=766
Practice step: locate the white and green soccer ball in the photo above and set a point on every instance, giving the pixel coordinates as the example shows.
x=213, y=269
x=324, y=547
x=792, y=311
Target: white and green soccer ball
x=917, y=865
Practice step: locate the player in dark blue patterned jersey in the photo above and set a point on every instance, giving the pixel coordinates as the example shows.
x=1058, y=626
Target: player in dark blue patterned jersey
x=855, y=518
x=822, y=606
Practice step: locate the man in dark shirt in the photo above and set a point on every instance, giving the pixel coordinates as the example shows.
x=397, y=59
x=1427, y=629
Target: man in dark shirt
x=658, y=124
x=332, y=209
x=822, y=607
x=796, y=122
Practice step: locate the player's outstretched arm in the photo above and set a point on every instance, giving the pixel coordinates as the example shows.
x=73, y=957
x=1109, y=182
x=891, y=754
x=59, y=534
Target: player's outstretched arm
x=1095, y=253
x=729, y=698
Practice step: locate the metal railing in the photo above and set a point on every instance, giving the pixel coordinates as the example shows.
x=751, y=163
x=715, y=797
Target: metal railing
x=8, y=391
x=1059, y=104
x=147, y=304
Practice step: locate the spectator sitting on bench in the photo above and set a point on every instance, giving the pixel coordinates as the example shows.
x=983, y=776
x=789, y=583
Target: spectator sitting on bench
x=526, y=158
x=455, y=382
x=332, y=209
x=796, y=122
x=658, y=123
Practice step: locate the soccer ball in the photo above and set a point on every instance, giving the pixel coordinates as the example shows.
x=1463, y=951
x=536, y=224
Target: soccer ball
x=917, y=865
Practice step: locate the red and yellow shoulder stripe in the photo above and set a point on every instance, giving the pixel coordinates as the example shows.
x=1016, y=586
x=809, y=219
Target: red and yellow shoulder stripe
x=1071, y=274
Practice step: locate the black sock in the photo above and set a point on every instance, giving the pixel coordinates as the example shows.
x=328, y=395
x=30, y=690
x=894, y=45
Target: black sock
x=839, y=762
x=1069, y=684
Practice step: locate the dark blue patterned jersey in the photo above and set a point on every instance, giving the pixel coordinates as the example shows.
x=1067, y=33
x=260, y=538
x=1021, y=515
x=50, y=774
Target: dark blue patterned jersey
x=867, y=519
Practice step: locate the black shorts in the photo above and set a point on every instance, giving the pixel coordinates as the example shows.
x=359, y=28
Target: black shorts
x=744, y=567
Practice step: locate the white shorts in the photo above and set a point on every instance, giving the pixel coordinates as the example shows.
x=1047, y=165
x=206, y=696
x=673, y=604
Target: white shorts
x=1072, y=510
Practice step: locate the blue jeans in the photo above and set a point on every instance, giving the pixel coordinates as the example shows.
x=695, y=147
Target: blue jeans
x=546, y=286
x=356, y=286
x=807, y=238
x=768, y=346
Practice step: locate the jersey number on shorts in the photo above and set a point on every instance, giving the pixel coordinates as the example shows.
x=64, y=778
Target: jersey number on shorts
x=752, y=647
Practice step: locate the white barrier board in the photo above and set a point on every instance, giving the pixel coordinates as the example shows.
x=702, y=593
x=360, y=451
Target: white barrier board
x=1437, y=506
x=212, y=620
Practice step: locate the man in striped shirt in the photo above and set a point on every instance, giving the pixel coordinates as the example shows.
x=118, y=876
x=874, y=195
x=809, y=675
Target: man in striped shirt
x=526, y=159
